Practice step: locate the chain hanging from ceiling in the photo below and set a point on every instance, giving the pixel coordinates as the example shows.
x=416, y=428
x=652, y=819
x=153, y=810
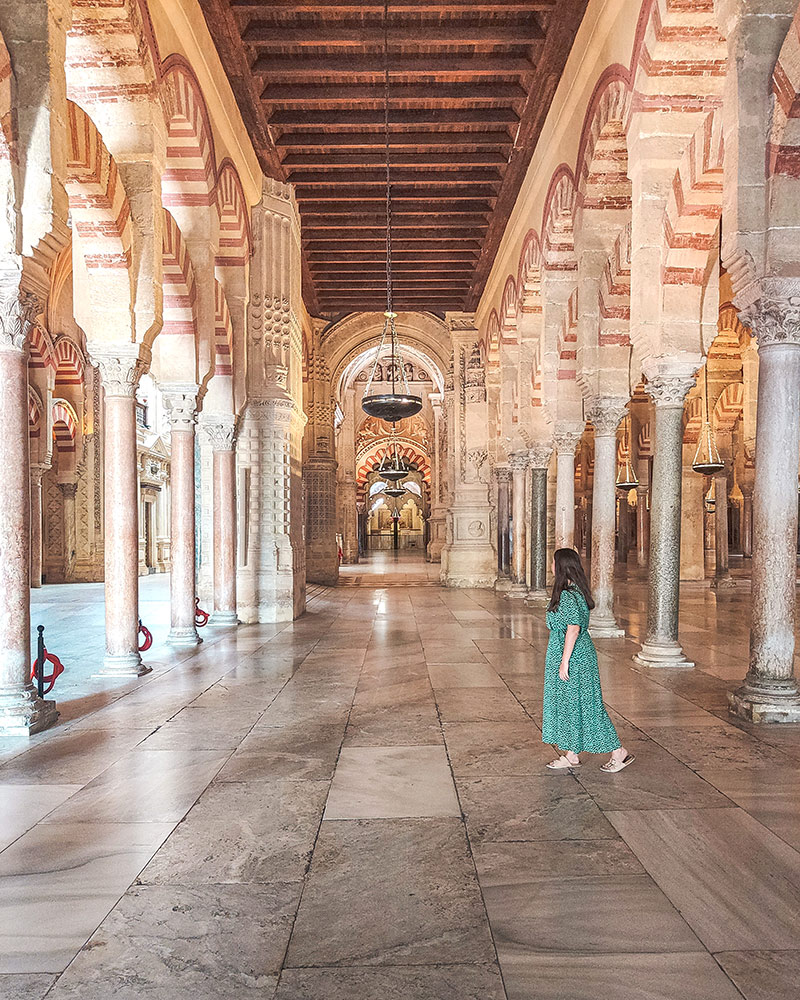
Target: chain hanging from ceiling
x=399, y=402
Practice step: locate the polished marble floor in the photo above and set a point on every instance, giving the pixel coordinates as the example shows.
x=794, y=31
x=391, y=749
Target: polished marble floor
x=354, y=807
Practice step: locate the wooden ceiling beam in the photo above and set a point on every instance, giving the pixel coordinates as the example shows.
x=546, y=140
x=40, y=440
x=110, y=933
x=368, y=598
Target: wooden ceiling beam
x=403, y=213
x=404, y=6
x=342, y=243
x=400, y=158
x=293, y=67
x=370, y=258
x=322, y=182
x=350, y=117
x=397, y=140
x=315, y=34
x=372, y=197
x=341, y=271
x=362, y=93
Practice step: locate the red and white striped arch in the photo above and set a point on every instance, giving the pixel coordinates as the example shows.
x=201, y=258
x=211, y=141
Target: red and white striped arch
x=34, y=415
x=409, y=451
x=492, y=338
x=615, y=294
x=179, y=287
x=645, y=444
x=69, y=363
x=223, y=333
x=692, y=420
x=602, y=177
x=729, y=407
x=190, y=176
x=558, y=223
x=783, y=148
x=508, y=313
x=40, y=353
x=65, y=427
x=235, y=237
x=8, y=144
x=568, y=340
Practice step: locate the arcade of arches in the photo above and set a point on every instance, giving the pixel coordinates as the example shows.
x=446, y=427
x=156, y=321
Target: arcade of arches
x=190, y=314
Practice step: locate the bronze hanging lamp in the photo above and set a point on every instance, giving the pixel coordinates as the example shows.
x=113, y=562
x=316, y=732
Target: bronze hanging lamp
x=707, y=459
x=626, y=477
x=392, y=469
x=400, y=402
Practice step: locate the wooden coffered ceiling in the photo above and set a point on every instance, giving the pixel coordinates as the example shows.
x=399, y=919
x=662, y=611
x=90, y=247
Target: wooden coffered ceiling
x=471, y=84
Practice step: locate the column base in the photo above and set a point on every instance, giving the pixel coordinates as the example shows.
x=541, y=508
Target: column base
x=125, y=665
x=658, y=654
x=502, y=585
x=766, y=701
x=183, y=636
x=537, y=598
x=223, y=618
x=518, y=591
x=605, y=628
x=723, y=583
x=25, y=714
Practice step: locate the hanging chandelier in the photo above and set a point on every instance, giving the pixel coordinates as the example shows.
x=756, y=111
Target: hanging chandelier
x=399, y=402
x=707, y=459
x=626, y=477
x=392, y=469
x=395, y=491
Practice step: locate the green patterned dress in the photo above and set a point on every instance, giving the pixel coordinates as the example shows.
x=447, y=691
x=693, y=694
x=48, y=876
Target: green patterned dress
x=574, y=717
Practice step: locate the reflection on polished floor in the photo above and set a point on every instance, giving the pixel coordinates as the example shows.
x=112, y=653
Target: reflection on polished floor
x=355, y=806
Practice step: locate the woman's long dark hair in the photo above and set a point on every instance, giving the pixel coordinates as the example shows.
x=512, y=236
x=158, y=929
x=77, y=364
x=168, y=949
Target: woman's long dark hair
x=569, y=572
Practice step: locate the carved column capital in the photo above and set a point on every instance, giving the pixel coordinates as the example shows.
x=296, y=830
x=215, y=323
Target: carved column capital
x=18, y=312
x=605, y=413
x=539, y=454
x=669, y=390
x=37, y=471
x=519, y=461
x=771, y=308
x=221, y=432
x=181, y=405
x=120, y=369
x=503, y=473
x=565, y=441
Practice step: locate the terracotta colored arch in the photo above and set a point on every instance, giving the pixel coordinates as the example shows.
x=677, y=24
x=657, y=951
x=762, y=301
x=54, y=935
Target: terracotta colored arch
x=508, y=311
x=558, y=222
x=223, y=333
x=235, y=236
x=645, y=445
x=40, y=353
x=35, y=413
x=729, y=407
x=65, y=427
x=602, y=166
x=69, y=363
x=783, y=147
x=408, y=450
x=190, y=177
x=179, y=287
x=529, y=269
x=692, y=420
x=615, y=294
x=568, y=341
x=492, y=338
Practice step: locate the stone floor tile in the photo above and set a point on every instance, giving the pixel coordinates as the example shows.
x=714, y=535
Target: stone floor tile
x=386, y=782
x=551, y=807
x=771, y=797
x=178, y=943
x=464, y=674
x=499, y=863
x=73, y=757
x=295, y=751
x=419, y=871
x=584, y=916
x=735, y=883
x=618, y=976
x=235, y=834
x=452, y=652
x=25, y=987
x=22, y=806
x=392, y=727
x=495, y=748
x=424, y=982
x=478, y=704
x=763, y=975
x=717, y=746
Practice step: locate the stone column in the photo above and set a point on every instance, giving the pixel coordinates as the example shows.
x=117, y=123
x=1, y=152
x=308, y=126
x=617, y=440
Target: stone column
x=37, y=471
x=503, y=535
x=348, y=488
x=565, y=443
x=661, y=647
x=747, y=523
x=437, y=521
x=468, y=559
x=221, y=432
x=119, y=373
x=769, y=692
x=722, y=572
x=68, y=493
x=519, y=466
x=643, y=514
x=20, y=710
x=181, y=405
x=605, y=414
x=319, y=474
x=539, y=462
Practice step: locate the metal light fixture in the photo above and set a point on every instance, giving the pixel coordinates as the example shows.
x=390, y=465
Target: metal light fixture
x=395, y=491
x=707, y=459
x=394, y=469
x=626, y=477
x=400, y=402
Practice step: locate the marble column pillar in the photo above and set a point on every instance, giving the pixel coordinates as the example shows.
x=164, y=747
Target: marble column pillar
x=539, y=459
x=68, y=493
x=722, y=573
x=565, y=489
x=642, y=519
x=769, y=692
x=119, y=373
x=181, y=406
x=21, y=712
x=503, y=476
x=747, y=523
x=37, y=471
x=519, y=467
x=661, y=647
x=221, y=432
x=605, y=414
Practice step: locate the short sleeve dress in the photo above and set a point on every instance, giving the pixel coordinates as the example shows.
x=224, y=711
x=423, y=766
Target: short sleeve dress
x=574, y=717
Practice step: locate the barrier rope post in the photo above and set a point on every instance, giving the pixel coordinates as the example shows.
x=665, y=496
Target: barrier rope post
x=40, y=654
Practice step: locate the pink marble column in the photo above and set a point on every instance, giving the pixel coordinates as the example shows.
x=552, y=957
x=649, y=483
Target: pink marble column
x=20, y=710
x=37, y=471
x=519, y=467
x=119, y=373
x=181, y=404
x=68, y=493
x=565, y=442
x=221, y=433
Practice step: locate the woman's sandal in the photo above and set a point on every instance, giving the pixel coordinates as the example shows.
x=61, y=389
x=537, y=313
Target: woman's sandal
x=562, y=764
x=612, y=766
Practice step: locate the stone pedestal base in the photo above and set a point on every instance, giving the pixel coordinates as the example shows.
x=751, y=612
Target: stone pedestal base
x=537, y=598
x=668, y=654
x=502, y=585
x=183, y=637
x=223, y=618
x=518, y=591
x=605, y=628
x=766, y=701
x=723, y=583
x=127, y=665
x=470, y=568
x=24, y=713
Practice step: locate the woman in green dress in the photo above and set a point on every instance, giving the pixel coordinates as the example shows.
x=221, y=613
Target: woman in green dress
x=574, y=718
